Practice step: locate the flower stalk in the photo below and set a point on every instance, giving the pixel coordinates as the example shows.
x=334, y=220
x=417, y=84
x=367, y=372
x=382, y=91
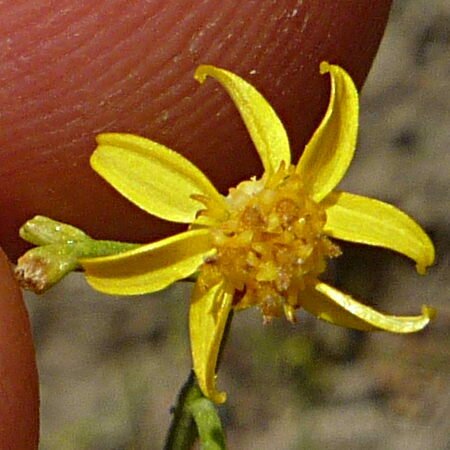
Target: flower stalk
x=194, y=416
x=59, y=250
x=183, y=432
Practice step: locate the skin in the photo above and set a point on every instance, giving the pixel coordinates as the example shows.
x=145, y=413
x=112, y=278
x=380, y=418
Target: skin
x=19, y=406
x=73, y=70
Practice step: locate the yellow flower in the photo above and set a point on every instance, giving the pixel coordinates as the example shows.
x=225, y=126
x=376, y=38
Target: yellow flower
x=264, y=244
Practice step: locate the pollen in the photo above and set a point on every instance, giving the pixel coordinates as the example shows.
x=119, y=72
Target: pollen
x=271, y=243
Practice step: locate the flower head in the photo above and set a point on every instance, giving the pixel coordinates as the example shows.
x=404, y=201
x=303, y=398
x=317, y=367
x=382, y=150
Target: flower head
x=266, y=243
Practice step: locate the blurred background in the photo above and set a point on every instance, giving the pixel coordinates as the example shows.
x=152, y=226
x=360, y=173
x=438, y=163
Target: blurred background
x=111, y=367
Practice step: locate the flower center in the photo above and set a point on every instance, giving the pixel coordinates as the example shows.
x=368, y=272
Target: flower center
x=271, y=243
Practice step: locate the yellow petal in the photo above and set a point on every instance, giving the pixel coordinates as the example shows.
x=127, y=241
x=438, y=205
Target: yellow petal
x=151, y=267
x=329, y=152
x=368, y=221
x=153, y=177
x=332, y=305
x=207, y=319
x=263, y=124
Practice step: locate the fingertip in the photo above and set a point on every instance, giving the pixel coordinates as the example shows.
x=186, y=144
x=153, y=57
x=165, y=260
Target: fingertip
x=19, y=392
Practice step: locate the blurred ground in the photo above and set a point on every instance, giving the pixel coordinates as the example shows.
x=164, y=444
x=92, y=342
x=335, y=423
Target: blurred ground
x=110, y=368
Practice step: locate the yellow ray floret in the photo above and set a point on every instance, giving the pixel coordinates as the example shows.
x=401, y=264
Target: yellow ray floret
x=207, y=320
x=153, y=177
x=329, y=153
x=264, y=126
x=151, y=267
x=368, y=221
x=329, y=304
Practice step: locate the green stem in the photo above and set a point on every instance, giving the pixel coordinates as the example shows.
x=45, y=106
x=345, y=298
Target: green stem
x=60, y=248
x=183, y=432
x=208, y=424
